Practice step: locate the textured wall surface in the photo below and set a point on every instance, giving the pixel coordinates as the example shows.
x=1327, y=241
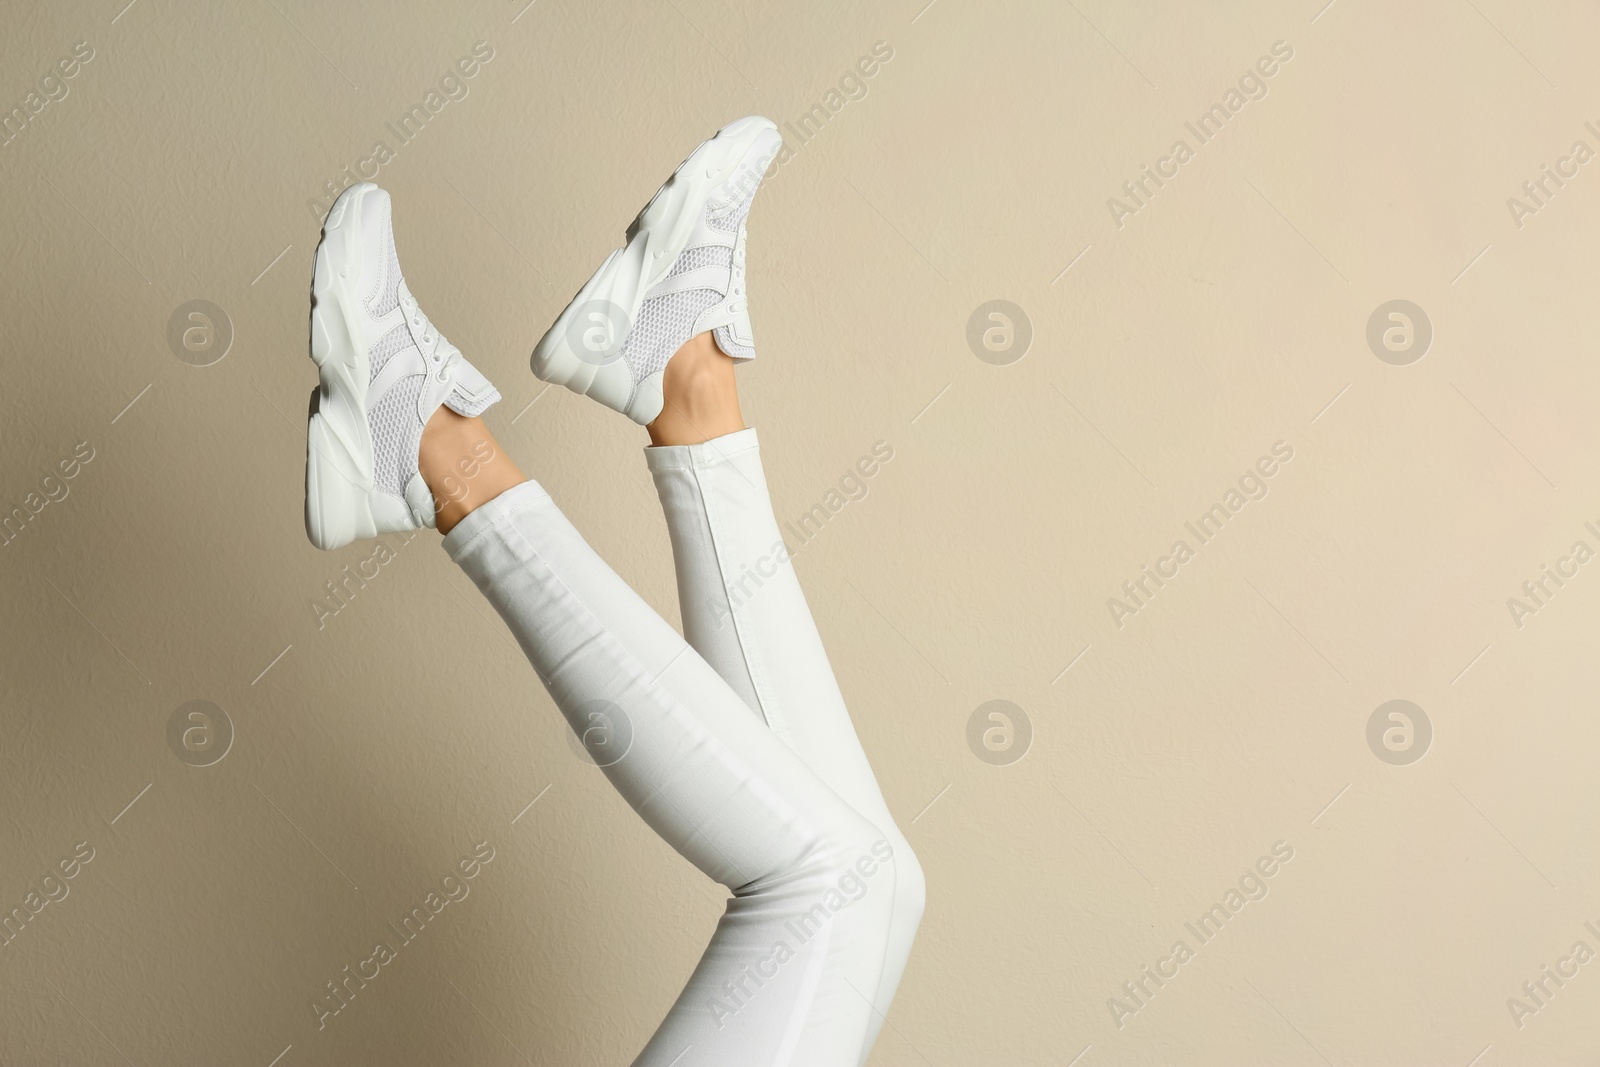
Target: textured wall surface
x=1287, y=414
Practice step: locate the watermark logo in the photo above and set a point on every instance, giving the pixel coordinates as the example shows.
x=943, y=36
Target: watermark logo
x=1140, y=190
x=341, y=590
x=999, y=332
x=199, y=733
x=851, y=86
x=1539, y=191
x=51, y=88
x=1399, y=332
x=339, y=992
x=851, y=486
x=1250, y=887
x=596, y=331
x=1538, y=992
x=746, y=981
x=199, y=333
x=1137, y=593
x=1399, y=732
x=52, y=490
x=601, y=734
x=999, y=733
x=50, y=889
x=452, y=86
x=1537, y=592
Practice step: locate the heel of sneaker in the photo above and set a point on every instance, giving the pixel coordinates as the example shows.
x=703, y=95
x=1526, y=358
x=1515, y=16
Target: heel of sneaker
x=337, y=510
x=647, y=400
x=609, y=383
x=554, y=359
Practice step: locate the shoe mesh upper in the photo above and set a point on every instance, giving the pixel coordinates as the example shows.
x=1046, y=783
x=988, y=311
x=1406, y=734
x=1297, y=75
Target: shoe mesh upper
x=704, y=256
x=388, y=346
x=665, y=323
x=396, y=434
x=728, y=217
x=394, y=419
x=387, y=297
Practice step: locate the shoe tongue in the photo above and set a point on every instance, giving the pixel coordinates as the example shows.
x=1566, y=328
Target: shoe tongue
x=470, y=392
x=735, y=338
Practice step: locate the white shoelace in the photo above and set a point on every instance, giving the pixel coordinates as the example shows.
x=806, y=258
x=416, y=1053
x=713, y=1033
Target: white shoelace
x=436, y=348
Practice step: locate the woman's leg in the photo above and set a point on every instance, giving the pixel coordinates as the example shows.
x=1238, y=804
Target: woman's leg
x=789, y=974
x=744, y=612
x=393, y=443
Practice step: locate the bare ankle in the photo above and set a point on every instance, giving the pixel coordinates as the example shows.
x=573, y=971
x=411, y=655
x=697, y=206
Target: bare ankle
x=701, y=399
x=463, y=466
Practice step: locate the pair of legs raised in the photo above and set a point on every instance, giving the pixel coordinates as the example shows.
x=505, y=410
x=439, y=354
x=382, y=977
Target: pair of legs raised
x=732, y=741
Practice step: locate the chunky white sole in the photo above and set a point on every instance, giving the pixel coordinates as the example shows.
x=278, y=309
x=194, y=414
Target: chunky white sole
x=339, y=495
x=654, y=241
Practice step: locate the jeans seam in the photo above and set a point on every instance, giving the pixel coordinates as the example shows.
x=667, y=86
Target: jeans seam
x=747, y=655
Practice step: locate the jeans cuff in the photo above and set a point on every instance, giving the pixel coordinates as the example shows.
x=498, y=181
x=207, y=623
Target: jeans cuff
x=699, y=457
x=518, y=498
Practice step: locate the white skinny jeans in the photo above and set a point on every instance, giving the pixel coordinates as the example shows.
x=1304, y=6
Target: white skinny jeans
x=735, y=747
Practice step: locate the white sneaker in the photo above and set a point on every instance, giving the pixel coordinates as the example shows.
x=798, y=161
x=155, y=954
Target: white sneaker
x=680, y=274
x=385, y=370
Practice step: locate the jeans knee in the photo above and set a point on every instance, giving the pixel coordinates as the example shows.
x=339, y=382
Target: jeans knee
x=859, y=866
x=910, y=886
x=884, y=867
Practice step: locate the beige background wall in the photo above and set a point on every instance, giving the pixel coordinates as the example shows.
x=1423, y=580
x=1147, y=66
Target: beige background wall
x=1167, y=754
